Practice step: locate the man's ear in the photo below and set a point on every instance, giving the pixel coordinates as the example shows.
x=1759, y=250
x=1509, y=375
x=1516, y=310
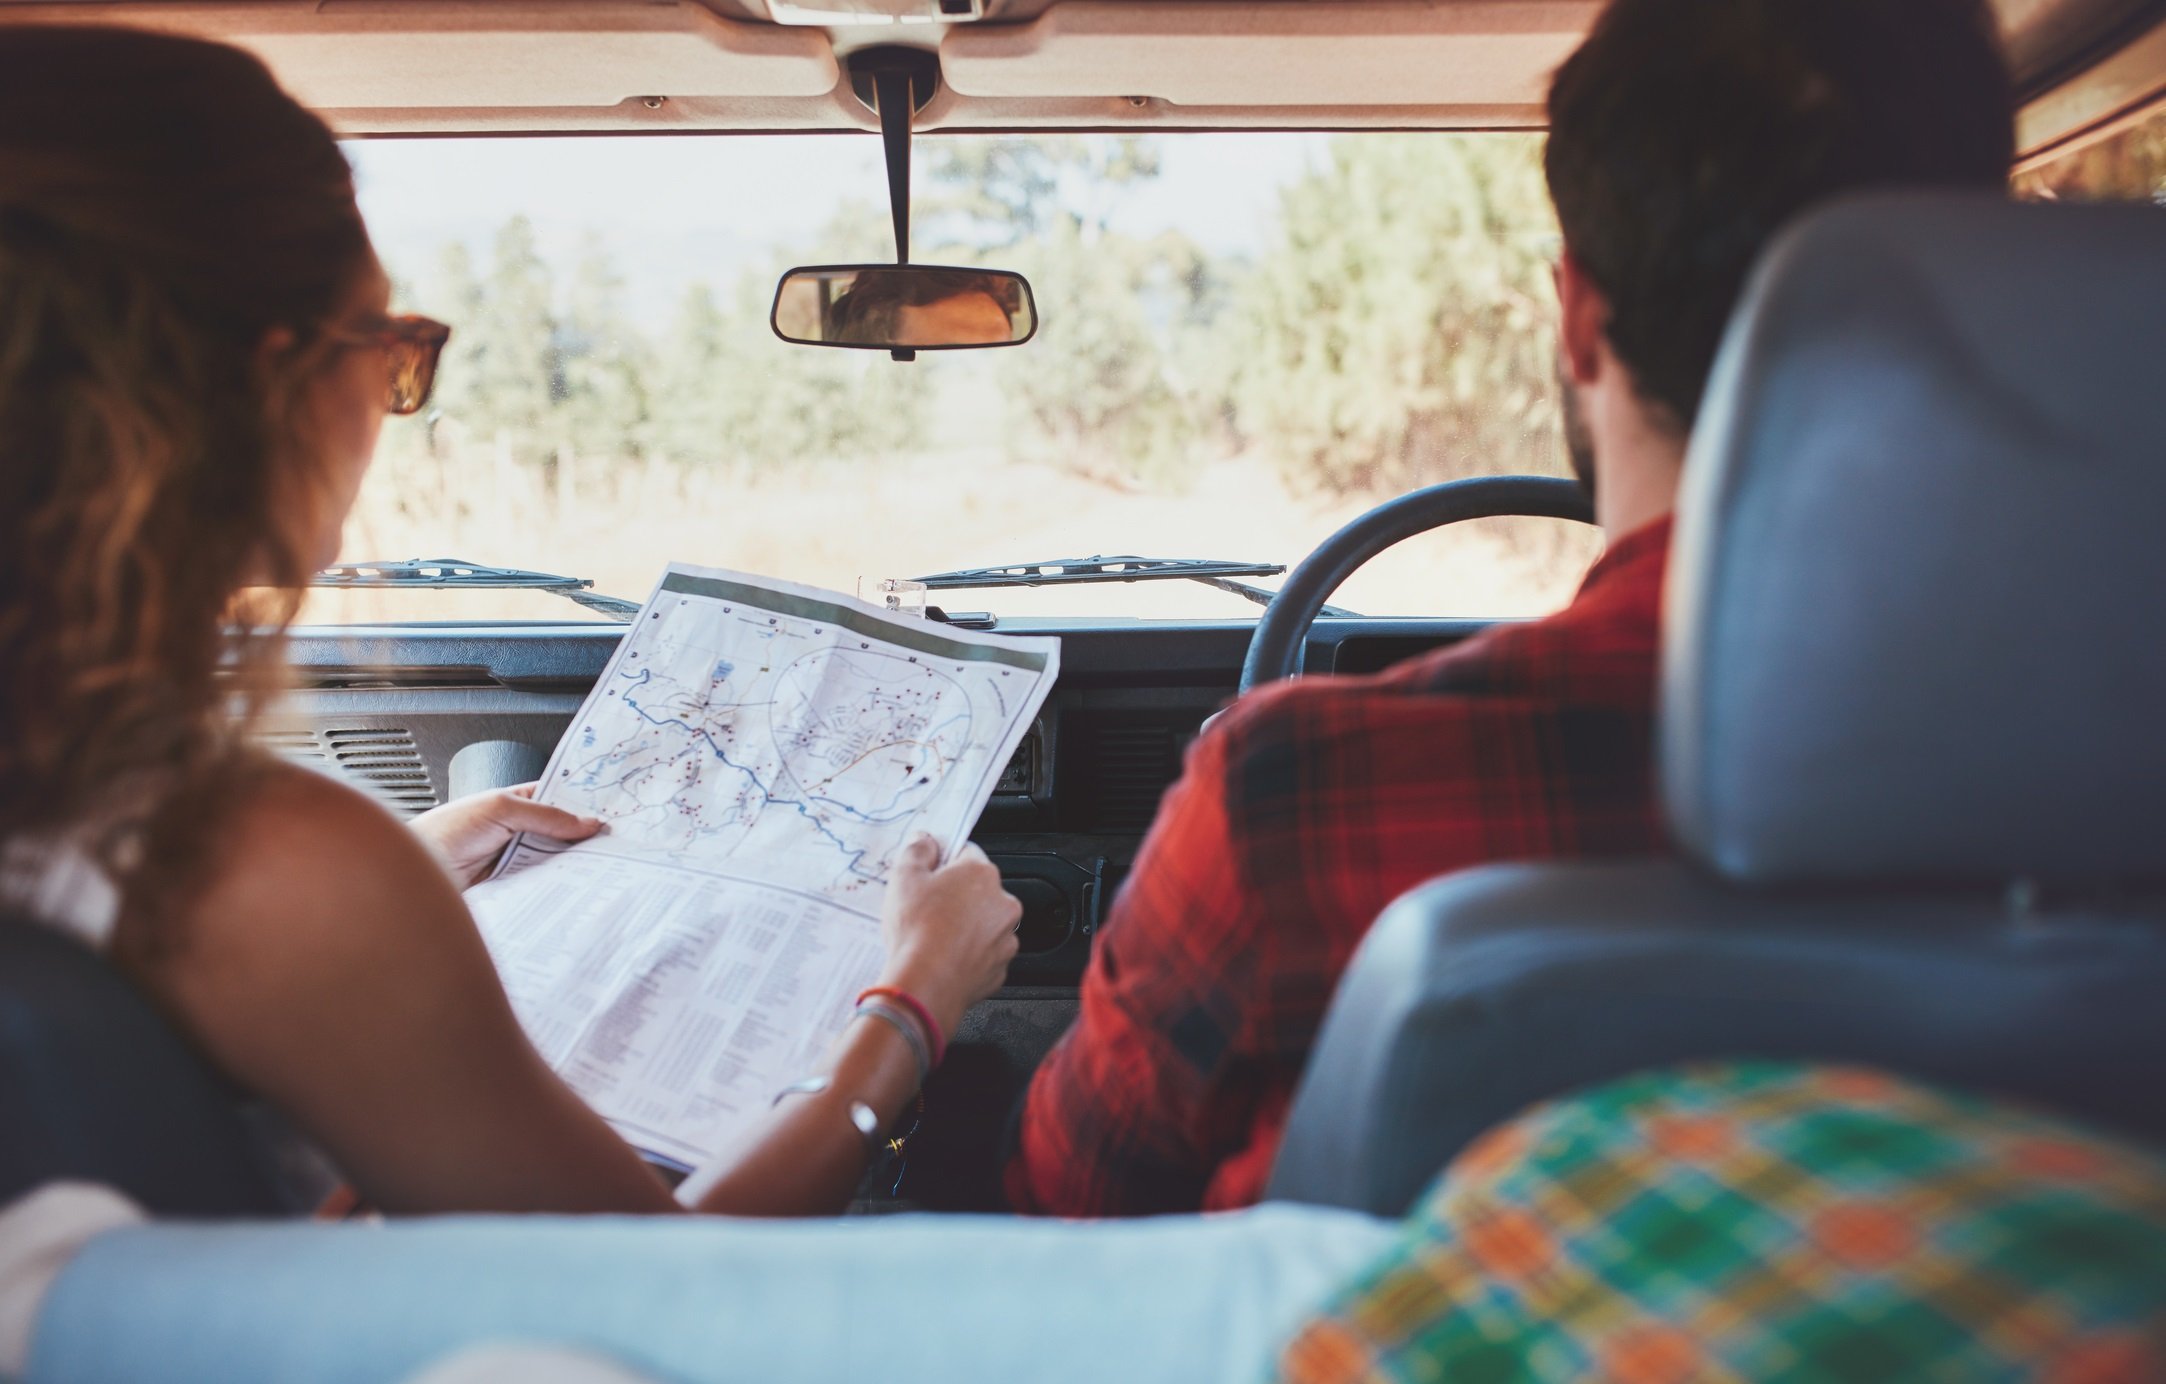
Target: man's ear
x=1583, y=320
x=275, y=343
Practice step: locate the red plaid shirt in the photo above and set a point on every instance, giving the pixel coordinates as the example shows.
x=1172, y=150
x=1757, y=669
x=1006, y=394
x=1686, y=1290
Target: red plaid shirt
x=1303, y=811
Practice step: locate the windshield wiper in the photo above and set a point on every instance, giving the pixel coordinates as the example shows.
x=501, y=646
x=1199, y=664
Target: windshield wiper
x=451, y=573
x=1077, y=571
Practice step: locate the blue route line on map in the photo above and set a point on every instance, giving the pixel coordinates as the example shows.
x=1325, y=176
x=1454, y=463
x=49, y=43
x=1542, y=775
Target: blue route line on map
x=854, y=856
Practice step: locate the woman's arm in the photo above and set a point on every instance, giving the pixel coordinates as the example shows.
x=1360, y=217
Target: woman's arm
x=950, y=933
x=330, y=967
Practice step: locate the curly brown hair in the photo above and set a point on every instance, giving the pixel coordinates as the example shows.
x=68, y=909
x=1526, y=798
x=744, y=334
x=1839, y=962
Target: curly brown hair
x=158, y=488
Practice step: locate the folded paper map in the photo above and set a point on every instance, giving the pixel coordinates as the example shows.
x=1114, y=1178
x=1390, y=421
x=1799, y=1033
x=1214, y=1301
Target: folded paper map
x=759, y=752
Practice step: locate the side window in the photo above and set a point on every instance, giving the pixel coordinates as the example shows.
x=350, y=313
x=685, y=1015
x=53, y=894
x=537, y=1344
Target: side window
x=2129, y=166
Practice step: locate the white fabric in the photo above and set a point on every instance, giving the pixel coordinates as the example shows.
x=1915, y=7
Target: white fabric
x=528, y=1365
x=39, y=1234
x=58, y=884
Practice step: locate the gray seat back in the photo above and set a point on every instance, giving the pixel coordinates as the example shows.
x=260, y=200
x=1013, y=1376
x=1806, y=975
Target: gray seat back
x=1914, y=657
x=1915, y=627
x=95, y=1086
x=1488, y=991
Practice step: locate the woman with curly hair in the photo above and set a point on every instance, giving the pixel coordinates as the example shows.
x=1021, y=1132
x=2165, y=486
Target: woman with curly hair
x=196, y=356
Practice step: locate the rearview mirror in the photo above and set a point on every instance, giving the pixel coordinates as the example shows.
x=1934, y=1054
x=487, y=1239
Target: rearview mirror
x=904, y=307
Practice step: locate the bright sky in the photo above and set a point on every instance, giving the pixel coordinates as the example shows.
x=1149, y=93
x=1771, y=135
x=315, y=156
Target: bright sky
x=683, y=208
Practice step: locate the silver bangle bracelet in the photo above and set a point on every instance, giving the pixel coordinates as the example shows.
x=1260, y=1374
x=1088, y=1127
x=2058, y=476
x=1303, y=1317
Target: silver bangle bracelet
x=863, y=1118
x=907, y=1027
x=867, y=1123
x=806, y=1086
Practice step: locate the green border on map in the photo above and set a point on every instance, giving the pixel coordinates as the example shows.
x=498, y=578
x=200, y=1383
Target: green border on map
x=925, y=641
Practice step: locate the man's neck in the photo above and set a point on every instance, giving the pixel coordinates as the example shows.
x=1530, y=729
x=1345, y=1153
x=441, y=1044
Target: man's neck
x=1636, y=468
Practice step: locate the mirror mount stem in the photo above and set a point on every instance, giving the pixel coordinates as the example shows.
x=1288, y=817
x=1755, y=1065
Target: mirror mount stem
x=898, y=75
x=893, y=87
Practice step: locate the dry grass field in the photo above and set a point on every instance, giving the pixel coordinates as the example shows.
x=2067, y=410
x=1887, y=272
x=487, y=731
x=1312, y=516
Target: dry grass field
x=833, y=523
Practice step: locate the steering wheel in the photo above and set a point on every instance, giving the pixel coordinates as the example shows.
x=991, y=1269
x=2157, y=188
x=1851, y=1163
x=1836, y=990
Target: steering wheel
x=1282, y=634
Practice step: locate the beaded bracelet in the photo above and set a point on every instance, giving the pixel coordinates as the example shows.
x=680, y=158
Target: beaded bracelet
x=924, y=1016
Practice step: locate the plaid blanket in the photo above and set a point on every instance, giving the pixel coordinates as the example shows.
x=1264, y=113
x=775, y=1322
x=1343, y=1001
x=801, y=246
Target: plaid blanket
x=1766, y=1221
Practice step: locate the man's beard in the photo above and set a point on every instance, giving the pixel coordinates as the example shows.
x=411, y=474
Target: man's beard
x=1578, y=442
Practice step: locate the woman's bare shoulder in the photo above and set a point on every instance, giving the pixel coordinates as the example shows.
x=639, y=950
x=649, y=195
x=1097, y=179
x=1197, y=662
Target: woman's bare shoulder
x=277, y=802
x=312, y=883
x=332, y=969
x=288, y=835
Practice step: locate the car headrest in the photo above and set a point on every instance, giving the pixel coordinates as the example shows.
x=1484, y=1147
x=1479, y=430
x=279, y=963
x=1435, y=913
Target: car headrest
x=1917, y=606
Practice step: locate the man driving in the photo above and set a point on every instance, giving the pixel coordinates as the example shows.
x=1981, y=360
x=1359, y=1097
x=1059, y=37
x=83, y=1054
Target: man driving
x=1683, y=135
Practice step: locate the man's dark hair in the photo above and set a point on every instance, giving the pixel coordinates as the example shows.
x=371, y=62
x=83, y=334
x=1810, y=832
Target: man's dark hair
x=1685, y=133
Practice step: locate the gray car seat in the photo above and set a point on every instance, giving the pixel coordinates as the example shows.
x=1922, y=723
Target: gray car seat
x=1911, y=723
x=95, y=1086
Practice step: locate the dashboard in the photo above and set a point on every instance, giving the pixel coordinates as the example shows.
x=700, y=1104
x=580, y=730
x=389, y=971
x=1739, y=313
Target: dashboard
x=419, y=714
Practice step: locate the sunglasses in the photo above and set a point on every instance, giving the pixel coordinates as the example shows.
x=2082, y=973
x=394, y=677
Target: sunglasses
x=412, y=345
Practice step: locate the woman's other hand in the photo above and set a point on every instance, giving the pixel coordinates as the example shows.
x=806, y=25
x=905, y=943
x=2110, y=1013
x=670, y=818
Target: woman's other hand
x=469, y=833
x=950, y=929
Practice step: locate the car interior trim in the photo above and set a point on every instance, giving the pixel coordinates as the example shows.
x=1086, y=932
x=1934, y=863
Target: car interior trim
x=438, y=67
x=2096, y=103
x=1485, y=52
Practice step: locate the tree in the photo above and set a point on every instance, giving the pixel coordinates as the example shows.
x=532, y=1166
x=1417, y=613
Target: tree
x=783, y=403
x=692, y=414
x=1401, y=330
x=516, y=361
x=995, y=193
x=1099, y=390
x=454, y=295
x=606, y=363
x=729, y=390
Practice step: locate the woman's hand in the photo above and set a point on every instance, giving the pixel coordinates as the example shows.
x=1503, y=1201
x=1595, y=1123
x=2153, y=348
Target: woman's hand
x=950, y=929
x=469, y=833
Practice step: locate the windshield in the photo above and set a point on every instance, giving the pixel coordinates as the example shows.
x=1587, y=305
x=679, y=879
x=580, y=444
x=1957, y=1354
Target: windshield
x=1245, y=340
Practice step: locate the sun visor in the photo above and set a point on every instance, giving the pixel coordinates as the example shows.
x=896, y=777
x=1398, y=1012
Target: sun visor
x=391, y=55
x=1476, y=53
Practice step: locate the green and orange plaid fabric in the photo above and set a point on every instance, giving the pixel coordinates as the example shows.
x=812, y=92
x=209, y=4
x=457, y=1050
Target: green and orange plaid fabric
x=1767, y=1222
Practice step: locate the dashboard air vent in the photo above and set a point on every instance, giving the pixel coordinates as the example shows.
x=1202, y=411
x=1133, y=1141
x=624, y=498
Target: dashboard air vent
x=382, y=761
x=297, y=745
x=1125, y=763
